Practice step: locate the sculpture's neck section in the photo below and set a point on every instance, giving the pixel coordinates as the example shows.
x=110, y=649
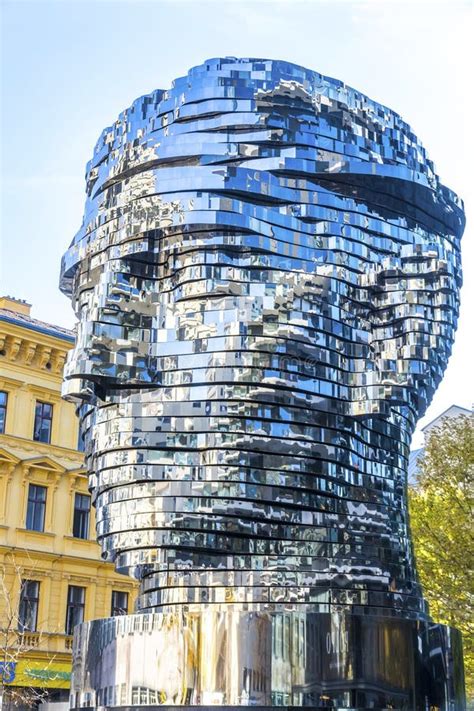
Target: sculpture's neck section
x=266, y=512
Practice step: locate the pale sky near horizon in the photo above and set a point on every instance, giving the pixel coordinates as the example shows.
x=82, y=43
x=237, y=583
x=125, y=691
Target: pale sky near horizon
x=70, y=66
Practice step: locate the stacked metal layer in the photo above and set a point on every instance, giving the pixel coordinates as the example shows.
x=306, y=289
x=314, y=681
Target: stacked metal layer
x=266, y=281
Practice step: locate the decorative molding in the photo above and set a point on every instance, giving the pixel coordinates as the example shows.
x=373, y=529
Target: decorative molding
x=43, y=450
x=24, y=350
x=8, y=459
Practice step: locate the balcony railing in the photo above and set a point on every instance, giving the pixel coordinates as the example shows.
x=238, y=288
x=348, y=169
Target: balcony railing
x=25, y=641
x=28, y=640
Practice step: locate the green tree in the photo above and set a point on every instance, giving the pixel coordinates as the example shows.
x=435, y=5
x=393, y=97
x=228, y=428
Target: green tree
x=441, y=506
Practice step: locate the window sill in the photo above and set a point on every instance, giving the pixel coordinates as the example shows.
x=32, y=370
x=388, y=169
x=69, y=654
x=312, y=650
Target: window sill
x=36, y=533
x=80, y=540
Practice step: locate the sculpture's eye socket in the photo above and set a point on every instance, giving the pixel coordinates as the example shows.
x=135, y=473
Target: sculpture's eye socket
x=115, y=289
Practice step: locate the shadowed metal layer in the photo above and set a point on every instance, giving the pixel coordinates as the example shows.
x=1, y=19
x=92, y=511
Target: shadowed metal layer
x=266, y=281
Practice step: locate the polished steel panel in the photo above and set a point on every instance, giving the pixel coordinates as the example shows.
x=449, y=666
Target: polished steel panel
x=235, y=658
x=267, y=282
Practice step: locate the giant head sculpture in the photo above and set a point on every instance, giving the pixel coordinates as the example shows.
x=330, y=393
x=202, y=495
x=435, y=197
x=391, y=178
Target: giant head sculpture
x=266, y=282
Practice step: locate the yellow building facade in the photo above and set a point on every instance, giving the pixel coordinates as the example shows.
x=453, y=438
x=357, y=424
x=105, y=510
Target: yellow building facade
x=51, y=572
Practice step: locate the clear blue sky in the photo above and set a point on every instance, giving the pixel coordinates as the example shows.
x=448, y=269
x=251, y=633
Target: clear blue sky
x=69, y=67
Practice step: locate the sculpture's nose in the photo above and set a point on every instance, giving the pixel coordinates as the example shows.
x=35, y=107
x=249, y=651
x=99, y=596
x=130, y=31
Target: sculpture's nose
x=78, y=390
x=79, y=385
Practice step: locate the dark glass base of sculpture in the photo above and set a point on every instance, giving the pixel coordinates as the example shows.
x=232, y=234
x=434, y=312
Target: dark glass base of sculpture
x=236, y=659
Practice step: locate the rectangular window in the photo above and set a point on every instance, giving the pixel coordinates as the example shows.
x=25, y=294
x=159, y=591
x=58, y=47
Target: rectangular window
x=28, y=610
x=119, y=603
x=76, y=600
x=36, y=507
x=82, y=507
x=43, y=422
x=3, y=410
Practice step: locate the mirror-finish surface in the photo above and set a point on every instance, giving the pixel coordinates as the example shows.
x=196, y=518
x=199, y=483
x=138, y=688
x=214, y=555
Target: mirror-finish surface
x=285, y=659
x=267, y=286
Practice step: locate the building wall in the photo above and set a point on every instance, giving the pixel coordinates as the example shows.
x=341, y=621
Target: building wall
x=32, y=357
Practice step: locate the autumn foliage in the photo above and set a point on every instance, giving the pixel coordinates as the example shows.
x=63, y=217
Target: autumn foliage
x=441, y=507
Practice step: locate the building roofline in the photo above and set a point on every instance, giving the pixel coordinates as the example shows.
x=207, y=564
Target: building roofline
x=438, y=417
x=47, y=330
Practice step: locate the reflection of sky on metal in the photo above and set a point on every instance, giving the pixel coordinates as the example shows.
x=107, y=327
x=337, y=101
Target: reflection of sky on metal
x=74, y=89
x=270, y=267
x=266, y=280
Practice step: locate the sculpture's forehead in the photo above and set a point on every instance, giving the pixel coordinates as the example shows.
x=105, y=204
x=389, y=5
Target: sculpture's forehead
x=254, y=130
x=264, y=81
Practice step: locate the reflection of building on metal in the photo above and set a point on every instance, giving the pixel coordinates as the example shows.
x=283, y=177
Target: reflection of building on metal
x=46, y=526
x=266, y=281
x=450, y=413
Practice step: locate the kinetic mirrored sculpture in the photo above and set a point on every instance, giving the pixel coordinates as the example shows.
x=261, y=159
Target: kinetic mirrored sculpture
x=266, y=281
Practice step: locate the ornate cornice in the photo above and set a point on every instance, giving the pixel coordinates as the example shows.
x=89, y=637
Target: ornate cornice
x=22, y=348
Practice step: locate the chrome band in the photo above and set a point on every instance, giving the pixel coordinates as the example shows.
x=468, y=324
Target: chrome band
x=237, y=659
